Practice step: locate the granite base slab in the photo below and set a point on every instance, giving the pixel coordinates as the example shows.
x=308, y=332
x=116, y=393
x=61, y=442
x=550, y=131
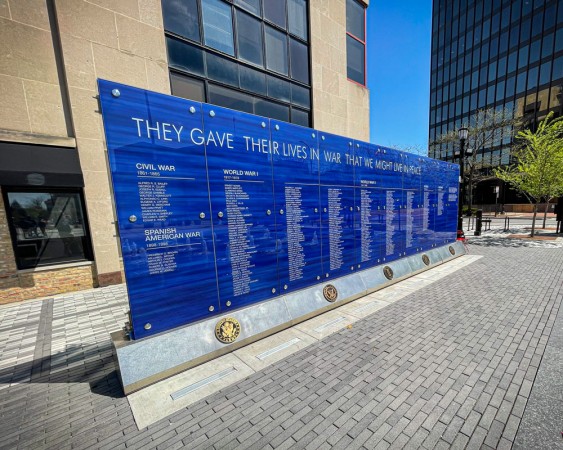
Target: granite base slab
x=145, y=361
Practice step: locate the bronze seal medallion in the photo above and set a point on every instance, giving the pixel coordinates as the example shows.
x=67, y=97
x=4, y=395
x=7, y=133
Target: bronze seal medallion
x=227, y=330
x=388, y=272
x=330, y=293
x=426, y=260
x=452, y=250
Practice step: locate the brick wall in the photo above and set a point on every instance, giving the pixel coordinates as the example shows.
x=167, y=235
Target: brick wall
x=8, y=269
x=36, y=284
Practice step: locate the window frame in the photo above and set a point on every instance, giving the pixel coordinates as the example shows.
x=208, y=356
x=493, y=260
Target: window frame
x=235, y=10
x=88, y=248
x=363, y=42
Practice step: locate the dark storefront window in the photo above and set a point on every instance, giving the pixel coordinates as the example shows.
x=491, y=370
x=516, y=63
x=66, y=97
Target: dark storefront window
x=255, y=50
x=48, y=227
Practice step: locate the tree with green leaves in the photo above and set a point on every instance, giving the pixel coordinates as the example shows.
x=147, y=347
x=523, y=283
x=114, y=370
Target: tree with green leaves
x=488, y=128
x=538, y=171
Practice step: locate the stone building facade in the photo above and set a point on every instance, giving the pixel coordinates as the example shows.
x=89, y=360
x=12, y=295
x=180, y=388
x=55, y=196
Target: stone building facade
x=57, y=219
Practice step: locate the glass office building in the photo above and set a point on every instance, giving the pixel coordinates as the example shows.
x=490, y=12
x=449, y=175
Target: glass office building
x=494, y=53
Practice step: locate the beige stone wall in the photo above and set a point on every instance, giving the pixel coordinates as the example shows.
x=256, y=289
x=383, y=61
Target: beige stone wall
x=339, y=106
x=122, y=41
x=30, y=92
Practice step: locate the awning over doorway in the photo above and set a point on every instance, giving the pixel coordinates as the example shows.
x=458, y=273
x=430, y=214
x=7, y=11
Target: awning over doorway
x=39, y=165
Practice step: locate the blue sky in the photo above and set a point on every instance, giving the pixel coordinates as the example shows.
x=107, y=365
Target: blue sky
x=399, y=34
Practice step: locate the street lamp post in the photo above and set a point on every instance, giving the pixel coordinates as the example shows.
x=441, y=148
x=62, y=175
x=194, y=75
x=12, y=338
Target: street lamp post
x=462, y=134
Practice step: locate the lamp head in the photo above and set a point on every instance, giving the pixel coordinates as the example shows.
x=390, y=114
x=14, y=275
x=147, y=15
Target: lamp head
x=462, y=133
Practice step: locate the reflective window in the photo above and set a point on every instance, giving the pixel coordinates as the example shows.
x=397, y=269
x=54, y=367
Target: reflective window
x=274, y=11
x=486, y=29
x=297, y=18
x=47, y=228
x=356, y=42
x=512, y=57
x=495, y=23
x=492, y=71
x=503, y=44
x=355, y=56
x=185, y=57
x=500, y=91
x=510, y=86
x=494, y=48
x=300, y=96
x=521, y=83
x=355, y=19
x=556, y=96
x=271, y=109
x=525, y=30
x=483, y=76
x=514, y=36
x=501, y=67
x=187, y=87
x=252, y=80
x=559, y=39
x=278, y=88
x=516, y=10
x=249, y=38
x=299, y=60
x=523, y=57
x=532, y=78
x=181, y=17
x=482, y=97
x=535, y=51
x=505, y=18
x=558, y=68
x=537, y=24
x=222, y=69
x=218, y=26
x=545, y=72
x=276, y=50
x=248, y=35
x=549, y=20
x=229, y=98
x=547, y=45
x=252, y=6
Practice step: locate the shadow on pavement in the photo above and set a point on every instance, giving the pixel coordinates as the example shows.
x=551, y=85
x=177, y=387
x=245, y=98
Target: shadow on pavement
x=499, y=238
x=92, y=364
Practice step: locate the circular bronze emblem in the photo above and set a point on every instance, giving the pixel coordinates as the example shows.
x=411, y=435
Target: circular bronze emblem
x=388, y=272
x=227, y=330
x=330, y=293
x=452, y=250
x=426, y=260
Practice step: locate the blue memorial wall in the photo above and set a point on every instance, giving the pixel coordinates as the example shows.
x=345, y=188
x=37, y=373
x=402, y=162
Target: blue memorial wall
x=219, y=209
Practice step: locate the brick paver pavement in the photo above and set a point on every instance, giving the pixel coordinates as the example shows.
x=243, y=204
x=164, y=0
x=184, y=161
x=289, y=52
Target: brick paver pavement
x=449, y=366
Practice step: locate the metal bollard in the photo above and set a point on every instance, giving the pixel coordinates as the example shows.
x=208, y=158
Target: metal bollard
x=479, y=222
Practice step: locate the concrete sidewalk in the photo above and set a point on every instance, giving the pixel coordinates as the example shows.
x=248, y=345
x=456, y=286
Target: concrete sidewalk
x=464, y=362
